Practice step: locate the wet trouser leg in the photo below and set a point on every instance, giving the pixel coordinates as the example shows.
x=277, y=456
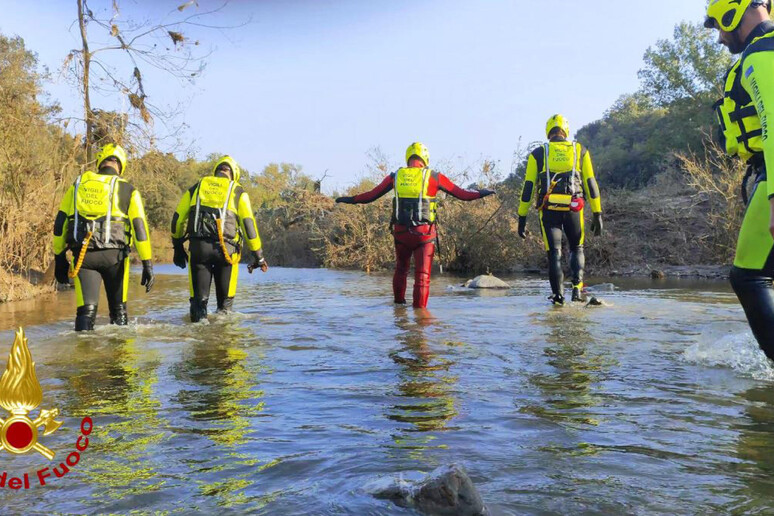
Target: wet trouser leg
x=573, y=228
x=99, y=265
x=116, y=278
x=423, y=264
x=403, y=254
x=416, y=241
x=753, y=271
x=226, y=276
x=756, y=293
x=200, y=272
x=551, y=225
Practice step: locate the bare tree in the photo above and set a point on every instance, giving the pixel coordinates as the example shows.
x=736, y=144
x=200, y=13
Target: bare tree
x=118, y=65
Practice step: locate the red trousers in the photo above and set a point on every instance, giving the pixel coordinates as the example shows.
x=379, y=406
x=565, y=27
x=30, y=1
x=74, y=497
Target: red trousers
x=419, y=242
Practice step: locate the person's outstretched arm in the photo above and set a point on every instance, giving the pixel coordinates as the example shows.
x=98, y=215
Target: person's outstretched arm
x=446, y=184
x=364, y=198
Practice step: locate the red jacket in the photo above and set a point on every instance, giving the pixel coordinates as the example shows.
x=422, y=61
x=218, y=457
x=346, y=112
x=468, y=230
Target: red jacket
x=437, y=182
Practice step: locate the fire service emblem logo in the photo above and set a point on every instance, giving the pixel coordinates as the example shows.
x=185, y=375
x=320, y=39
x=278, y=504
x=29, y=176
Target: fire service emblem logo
x=20, y=394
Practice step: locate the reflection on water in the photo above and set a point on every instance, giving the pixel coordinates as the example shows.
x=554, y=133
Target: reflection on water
x=425, y=398
x=568, y=388
x=126, y=405
x=320, y=385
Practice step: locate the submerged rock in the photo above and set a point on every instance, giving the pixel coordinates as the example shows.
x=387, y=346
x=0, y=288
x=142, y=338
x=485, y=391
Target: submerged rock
x=593, y=301
x=447, y=491
x=486, y=281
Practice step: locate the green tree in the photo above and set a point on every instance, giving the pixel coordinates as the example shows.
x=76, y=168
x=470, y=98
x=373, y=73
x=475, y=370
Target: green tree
x=638, y=136
x=689, y=66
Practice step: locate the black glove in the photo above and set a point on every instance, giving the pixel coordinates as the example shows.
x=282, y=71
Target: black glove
x=181, y=258
x=523, y=227
x=486, y=192
x=346, y=200
x=61, y=268
x=258, y=262
x=148, y=278
x=596, y=225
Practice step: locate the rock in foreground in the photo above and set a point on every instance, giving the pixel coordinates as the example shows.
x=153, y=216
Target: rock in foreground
x=447, y=491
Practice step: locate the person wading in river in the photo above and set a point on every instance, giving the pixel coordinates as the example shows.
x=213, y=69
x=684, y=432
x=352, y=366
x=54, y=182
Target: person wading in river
x=216, y=217
x=414, y=218
x=565, y=181
x=745, y=28
x=99, y=218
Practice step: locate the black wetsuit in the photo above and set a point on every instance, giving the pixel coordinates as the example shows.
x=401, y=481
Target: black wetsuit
x=112, y=267
x=208, y=262
x=571, y=222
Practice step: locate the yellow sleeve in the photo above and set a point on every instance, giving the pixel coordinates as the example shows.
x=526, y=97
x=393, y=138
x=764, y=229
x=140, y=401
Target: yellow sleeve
x=528, y=190
x=180, y=218
x=62, y=221
x=247, y=222
x=139, y=225
x=590, y=186
x=758, y=79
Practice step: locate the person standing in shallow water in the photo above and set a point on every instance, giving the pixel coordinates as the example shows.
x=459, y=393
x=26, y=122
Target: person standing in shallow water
x=745, y=27
x=99, y=218
x=561, y=175
x=415, y=188
x=216, y=217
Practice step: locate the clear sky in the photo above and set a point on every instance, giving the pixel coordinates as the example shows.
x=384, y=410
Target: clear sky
x=320, y=82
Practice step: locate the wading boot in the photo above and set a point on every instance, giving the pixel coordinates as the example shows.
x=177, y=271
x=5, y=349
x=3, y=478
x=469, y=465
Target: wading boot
x=577, y=295
x=118, y=315
x=557, y=299
x=198, y=309
x=84, y=317
x=226, y=306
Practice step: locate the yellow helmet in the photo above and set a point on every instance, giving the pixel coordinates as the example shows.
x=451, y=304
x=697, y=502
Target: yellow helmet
x=727, y=14
x=557, y=121
x=231, y=162
x=114, y=151
x=419, y=150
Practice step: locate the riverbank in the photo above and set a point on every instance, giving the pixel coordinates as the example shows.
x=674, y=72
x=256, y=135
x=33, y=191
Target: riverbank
x=17, y=287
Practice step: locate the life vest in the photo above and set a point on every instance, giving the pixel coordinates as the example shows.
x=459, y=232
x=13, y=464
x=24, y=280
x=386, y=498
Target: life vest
x=96, y=210
x=560, y=177
x=740, y=132
x=412, y=205
x=214, y=200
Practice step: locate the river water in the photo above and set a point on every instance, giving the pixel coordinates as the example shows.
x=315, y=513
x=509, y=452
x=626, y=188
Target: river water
x=319, y=387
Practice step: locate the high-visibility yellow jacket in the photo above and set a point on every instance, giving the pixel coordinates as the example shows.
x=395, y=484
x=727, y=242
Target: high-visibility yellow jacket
x=108, y=207
x=748, y=100
x=569, y=165
x=413, y=203
x=213, y=201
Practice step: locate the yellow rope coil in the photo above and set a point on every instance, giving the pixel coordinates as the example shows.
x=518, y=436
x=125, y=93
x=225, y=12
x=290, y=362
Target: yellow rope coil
x=219, y=224
x=74, y=272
